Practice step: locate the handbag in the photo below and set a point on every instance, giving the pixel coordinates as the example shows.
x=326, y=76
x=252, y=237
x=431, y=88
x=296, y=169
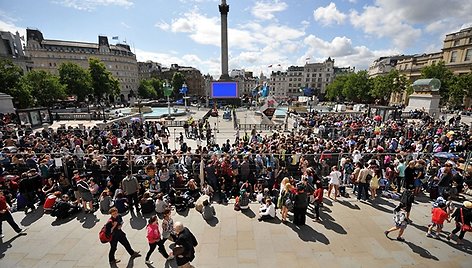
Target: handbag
x=465, y=227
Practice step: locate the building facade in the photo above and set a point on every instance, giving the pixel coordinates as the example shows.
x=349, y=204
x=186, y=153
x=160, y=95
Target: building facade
x=148, y=69
x=193, y=78
x=11, y=48
x=384, y=65
x=48, y=55
x=313, y=75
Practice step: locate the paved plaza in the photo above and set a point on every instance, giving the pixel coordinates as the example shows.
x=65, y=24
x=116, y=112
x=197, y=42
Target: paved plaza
x=351, y=235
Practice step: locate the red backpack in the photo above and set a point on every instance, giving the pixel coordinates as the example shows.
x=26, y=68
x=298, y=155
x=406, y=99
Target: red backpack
x=102, y=235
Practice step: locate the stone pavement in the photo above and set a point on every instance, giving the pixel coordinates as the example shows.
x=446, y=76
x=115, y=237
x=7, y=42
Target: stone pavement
x=351, y=235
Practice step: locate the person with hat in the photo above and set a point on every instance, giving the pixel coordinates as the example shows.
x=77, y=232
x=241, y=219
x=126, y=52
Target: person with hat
x=462, y=216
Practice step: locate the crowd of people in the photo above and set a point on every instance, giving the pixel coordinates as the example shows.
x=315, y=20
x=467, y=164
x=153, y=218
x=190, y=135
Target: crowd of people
x=130, y=164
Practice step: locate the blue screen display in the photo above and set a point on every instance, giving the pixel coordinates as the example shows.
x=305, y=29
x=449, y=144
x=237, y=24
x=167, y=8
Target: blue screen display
x=224, y=90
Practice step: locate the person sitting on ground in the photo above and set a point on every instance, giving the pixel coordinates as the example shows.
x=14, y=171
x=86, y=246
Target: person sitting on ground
x=208, y=211
x=180, y=201
x=147, y=203
x=106, y=202
x=267, y=211
x=242, y=201
x=121, y=203
x=64, y=208
x=161, y=204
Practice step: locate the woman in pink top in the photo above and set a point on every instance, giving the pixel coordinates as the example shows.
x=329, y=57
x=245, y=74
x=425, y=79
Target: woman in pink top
x=154, y=239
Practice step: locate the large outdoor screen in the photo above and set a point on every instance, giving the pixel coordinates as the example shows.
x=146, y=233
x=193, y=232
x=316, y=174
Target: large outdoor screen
x=224, y=90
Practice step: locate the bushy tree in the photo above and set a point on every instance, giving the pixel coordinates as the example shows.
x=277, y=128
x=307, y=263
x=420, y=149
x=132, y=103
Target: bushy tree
x=103, y=82
x=334, y=91
x=178, y=80
x=10, y=77
x=384, y=85
x=46, y=87
x=441, y=72
x=76, y=79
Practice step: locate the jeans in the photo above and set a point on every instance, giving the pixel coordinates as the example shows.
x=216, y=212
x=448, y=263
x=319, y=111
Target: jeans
x=317, y=210
x=162, y=250
x=457, y=229
x=8, y=218
x=118, y=236
x=133, y=198
x=363, y=189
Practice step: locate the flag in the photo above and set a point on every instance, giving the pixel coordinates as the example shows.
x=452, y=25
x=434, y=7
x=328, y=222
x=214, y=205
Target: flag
x=270, y=66
x=115, y=38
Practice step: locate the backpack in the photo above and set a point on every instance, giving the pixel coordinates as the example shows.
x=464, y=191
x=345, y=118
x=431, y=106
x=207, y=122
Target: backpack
x=102, y=235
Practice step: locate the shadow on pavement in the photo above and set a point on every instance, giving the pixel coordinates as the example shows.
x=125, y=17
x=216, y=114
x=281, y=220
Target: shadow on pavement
x=421, y=251
x=327, y=202
x=420, y=227
x=33, y=216
x=330, y=224
x=4, y=246
x=88, y=220
x=137, y=222
x=213, y=222
x=248, y=212
x=349, y=205
x=308, y=234
x=377, y=205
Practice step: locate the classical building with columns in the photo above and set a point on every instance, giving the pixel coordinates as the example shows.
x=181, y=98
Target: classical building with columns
x=48, y=54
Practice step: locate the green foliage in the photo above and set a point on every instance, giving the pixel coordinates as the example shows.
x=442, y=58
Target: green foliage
x=384, y=85
x=357, y=87
x=10, y=76
x=146, y=90
x=178, y=80
x=103, y=82
x=441, y=72
x=46, y=87
x=158, y=86
x=334, y=91
x=76, y=79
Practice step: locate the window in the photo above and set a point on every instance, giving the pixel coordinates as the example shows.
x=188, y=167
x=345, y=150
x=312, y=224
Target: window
x=456, y=42
x=470, y=40
x=468, y=55
x=453, y=56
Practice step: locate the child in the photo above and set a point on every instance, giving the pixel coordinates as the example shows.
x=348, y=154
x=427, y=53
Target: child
x=439, y=215
x=400, y=219
x=318, y=194
x=154, y=240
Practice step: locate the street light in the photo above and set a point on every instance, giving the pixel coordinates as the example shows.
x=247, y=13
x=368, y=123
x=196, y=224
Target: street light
x=184, y=90
x=167, y=93
x=88, y=107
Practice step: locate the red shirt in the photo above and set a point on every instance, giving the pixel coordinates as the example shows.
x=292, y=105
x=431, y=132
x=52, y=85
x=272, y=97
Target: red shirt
x=439, y=216
x=318, y=195
x=3, y=203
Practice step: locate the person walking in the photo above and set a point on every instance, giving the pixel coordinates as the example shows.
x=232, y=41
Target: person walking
x=318, y=194
x=362, y=181
x=185, y=244
x=113, y=228
x=154, y=240
x=334, y=181
x=462, y=216
x=399, y=217
x=130, y=188
x=5, y=215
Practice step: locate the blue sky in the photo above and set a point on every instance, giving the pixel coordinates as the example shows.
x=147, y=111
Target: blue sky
x=261, y=32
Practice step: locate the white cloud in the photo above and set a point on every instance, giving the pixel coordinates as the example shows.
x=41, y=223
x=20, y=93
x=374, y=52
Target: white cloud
x=163, y=25
x=265, y=10
x=329, y=15
x=89, y=5
x=401, y=20
x=125, y=25
x=342, y=51
x=8, y=24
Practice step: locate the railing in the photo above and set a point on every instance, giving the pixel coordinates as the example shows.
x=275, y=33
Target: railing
x=76, y=116
x=259, y=126
x=102, y=125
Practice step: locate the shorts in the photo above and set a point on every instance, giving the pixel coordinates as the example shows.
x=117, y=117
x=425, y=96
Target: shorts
x=440, y=226
x=401, y=225
x=417, y=183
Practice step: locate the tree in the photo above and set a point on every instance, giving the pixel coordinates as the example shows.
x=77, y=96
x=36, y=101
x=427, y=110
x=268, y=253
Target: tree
x=357, y=87
x=158, y=86
x=76, y=79
x=10, y=77
x=441, y=72
x=334, y=91
x=384, y=85
x=462, y=87
x=178, y=80
x=46, y=87
x=103, y=82
x=146, y=89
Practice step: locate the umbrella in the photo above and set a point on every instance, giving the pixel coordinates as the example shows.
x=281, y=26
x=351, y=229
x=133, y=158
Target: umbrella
x=135, y=119
x=378, y=118
x=445, y=155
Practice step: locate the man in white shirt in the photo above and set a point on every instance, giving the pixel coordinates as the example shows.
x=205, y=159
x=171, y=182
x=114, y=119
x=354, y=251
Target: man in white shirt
x=267, y=211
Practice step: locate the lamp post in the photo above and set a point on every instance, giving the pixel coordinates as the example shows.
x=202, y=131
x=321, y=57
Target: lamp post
x=103, y=110
x=88, y=107
x=167, y=93
x=184, y=90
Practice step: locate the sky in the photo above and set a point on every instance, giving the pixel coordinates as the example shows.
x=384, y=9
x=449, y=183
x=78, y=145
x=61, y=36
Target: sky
x=262, y=33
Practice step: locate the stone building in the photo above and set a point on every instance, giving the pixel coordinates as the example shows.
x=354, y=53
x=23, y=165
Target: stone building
x=148, y=69
x=11, y=48
x=193, y=78
x=456, y=54
x=384, y=65
x=312, y=75
x=48, y=54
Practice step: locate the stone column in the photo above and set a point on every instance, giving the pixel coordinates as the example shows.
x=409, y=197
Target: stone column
x=224, y=9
